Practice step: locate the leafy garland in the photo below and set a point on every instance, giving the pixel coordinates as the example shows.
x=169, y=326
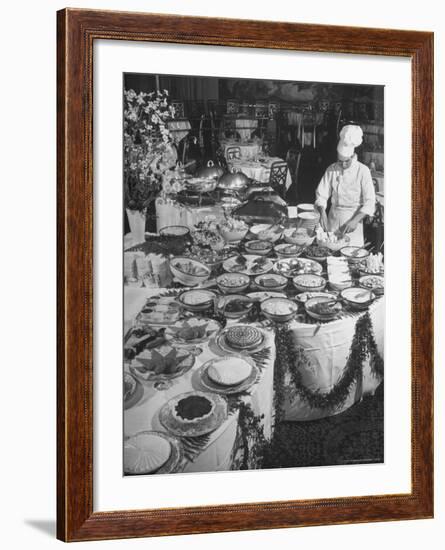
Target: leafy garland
x=293, y=360
x=250, y=442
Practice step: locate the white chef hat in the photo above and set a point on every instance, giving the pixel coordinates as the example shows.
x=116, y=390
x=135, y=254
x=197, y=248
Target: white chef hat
x=351, y=136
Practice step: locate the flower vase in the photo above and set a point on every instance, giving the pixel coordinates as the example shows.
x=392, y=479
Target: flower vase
x=136, y=220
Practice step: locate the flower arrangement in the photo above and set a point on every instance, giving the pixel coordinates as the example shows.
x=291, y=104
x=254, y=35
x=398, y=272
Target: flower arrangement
x=149, y=154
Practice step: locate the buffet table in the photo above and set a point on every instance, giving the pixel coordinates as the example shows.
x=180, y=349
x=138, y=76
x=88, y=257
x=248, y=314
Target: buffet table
x=307, y=366
x=219, y=451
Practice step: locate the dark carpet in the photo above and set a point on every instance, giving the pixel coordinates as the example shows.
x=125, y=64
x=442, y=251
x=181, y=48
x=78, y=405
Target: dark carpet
x=352, y=437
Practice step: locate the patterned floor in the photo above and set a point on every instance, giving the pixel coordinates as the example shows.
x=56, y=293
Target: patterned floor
x=353, y=437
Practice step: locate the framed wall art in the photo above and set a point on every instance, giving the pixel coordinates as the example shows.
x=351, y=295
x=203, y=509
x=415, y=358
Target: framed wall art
x=245, y=232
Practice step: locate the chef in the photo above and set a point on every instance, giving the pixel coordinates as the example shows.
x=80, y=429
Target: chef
x=348, y=183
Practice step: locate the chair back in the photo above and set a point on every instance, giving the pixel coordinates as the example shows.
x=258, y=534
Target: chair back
x=277, y=178
x=233, y=153
x=179, y=108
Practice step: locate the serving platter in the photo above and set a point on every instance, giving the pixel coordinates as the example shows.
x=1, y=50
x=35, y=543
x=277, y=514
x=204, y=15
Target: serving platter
x=243, y=386
x=209, y=424
x=174, y=461
x=248, y=268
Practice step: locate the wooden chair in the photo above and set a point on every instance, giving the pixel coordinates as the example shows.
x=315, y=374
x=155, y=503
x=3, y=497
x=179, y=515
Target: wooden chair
x=233, y=153
x=179, y=108
x=277, y=178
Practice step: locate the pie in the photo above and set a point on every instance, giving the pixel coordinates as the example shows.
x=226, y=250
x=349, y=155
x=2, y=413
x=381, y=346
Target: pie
x=243, y=336
x=193, y=408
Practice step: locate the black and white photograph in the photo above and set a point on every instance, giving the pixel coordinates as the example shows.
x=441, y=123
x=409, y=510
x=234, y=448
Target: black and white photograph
x=253, y=269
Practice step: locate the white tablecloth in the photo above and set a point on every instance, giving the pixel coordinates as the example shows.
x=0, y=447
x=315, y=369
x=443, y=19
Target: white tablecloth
x=179, y=129
x=327, y=345
x=145, y=414
x=259, y=171
x=248, y=150
x=169, y=213
x=245, y=127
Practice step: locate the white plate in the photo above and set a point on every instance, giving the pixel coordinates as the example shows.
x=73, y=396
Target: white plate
x=145, y=453
x=228, y=370
x=231, y=266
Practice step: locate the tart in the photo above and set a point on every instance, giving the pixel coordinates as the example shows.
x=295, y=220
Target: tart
x=193, y=408
x=243, y=336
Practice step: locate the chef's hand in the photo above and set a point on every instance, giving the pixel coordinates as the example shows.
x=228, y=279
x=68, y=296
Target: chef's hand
x=349, y=226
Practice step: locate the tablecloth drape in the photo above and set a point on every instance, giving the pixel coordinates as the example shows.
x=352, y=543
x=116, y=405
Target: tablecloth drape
x=327, y=345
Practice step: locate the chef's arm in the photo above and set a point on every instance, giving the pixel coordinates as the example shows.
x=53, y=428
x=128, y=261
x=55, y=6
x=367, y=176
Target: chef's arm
x=322, y=195
x=368, y=206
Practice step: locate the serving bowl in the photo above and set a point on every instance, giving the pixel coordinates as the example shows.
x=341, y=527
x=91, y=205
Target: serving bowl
x=261, y=248
x=279, y=310
x=266, y=232
x=357, y=298
x=335, y=246
x=233, y=235
x=354, y=254
x=271, y=281
x=309, y=282
x=189, y=272
x=331, y=313
x=233, y=283
x=298, y=236
x=375, y=283
x=316, y=252
x=287, y=250
x=174, y=231
x=196, y=300
x=234, y=306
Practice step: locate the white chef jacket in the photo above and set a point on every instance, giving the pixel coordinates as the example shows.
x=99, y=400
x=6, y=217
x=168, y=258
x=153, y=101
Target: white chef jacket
x=351, y=190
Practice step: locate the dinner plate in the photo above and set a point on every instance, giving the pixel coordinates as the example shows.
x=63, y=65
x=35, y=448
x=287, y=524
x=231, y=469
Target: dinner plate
x=169, y=466
x=209, y=385
x=196, y=428
x=231, y=266
x=133, y=397
x=140, y=367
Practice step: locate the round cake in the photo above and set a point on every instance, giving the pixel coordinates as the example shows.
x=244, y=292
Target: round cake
x=193, y=408
x=229, y=371
x=145, y=452
x=243, y=337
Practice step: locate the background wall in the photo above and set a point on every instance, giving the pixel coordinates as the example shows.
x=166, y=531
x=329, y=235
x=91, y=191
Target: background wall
x=28, y=175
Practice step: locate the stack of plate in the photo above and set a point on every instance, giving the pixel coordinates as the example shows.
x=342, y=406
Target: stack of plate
x=308, y=220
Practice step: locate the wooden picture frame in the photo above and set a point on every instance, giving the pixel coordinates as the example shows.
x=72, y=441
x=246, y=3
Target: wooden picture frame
x=77, y=31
